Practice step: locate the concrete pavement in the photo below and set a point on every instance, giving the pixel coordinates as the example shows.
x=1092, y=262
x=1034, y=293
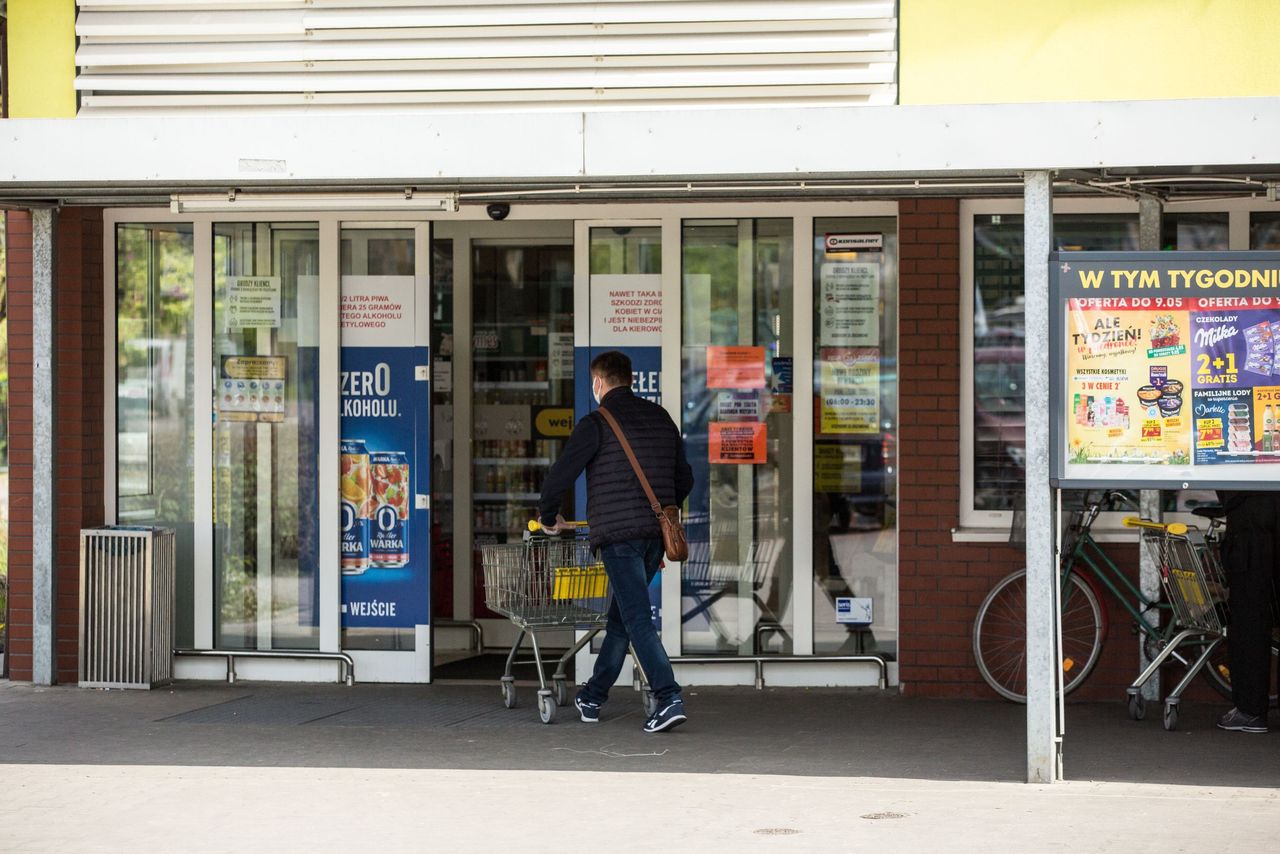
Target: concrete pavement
x=251, y=767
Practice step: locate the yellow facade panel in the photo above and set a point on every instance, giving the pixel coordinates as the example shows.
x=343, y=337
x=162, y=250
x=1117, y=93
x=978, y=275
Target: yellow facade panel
x=997, y=51
x=42, y=58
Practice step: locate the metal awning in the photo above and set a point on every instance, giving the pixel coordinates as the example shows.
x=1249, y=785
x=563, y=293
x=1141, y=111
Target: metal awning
x=1171, y=149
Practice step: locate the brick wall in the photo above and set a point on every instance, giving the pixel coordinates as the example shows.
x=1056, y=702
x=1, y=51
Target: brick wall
x=78, y=413
x=18, y=241
x=941, y=583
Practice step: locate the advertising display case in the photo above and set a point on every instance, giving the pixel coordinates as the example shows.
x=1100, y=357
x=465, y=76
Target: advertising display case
x=1166, y=369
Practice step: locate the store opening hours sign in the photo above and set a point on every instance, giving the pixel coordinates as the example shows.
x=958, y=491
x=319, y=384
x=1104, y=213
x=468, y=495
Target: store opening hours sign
x=1165, y=369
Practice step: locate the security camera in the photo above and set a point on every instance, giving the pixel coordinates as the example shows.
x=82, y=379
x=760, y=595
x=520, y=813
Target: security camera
x=498, y=210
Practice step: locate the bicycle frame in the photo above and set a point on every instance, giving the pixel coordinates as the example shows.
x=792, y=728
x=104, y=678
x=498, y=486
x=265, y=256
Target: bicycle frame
x=1102, y=568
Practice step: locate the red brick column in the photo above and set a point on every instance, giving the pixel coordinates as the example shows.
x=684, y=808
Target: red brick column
x=78, y=414
x=18, y=242
x=941, y=582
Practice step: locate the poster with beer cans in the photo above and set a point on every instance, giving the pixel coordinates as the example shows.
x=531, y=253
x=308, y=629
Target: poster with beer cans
x=385, y=464
x=1167, y=369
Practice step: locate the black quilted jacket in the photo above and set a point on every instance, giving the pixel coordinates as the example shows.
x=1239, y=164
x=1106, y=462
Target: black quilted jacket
x=617, y=508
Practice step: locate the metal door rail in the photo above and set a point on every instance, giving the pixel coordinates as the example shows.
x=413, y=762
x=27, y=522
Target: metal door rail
x=761, y=660
x=473, y=626
x=346, y=666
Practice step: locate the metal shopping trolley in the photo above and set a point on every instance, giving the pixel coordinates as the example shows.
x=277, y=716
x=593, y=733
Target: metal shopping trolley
x=1191, y=574
x=542, y=583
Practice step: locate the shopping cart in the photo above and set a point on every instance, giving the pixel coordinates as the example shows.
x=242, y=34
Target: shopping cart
x=546, y=582
x=1191, y=574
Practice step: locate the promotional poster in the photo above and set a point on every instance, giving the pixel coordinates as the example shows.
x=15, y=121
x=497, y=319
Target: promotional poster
x=1167, y=368
x=385, y=458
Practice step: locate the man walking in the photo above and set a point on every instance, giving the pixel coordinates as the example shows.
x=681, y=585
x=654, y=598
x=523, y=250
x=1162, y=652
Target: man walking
x=624, y=529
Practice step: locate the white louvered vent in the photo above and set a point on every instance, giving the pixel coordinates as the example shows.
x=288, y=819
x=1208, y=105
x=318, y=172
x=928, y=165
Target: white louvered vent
x=184, y=56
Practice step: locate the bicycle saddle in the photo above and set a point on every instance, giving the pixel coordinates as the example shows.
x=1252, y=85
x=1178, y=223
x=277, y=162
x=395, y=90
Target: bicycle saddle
x=1210, y=511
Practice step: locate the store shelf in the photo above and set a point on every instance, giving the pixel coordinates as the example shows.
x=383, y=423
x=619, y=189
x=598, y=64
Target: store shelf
x=513, y=386
x=511, y=461
x=506, y=496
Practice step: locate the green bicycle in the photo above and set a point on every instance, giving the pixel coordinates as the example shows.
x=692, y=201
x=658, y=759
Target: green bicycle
x=999, y=630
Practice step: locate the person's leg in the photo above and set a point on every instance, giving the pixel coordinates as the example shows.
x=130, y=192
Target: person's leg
x=613, y=652
x=1249, y=560
x=630, y=566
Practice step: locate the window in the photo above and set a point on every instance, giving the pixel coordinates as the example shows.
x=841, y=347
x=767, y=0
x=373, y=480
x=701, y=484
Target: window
x=993, y=424
x=998, y=448
x=1264, y=230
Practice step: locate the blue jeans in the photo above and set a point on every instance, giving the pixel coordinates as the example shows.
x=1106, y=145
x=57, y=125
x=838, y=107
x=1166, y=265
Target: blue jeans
x=631, y=566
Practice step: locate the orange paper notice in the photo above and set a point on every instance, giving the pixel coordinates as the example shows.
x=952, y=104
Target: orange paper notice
x=735, y=367
x=737, y=443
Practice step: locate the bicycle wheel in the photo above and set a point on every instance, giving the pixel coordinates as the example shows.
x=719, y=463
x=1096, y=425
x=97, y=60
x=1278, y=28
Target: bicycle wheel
x=1000, y=634
x=1218, y=669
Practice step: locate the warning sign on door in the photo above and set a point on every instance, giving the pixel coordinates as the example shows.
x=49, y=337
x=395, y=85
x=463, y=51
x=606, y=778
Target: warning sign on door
x=736, y=444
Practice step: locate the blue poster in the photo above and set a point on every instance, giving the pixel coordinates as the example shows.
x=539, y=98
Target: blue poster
x=1236, y=385
x=386, y=463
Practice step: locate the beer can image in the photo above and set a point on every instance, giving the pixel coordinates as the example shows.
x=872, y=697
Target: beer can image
x=389, y=529
x=357, y=501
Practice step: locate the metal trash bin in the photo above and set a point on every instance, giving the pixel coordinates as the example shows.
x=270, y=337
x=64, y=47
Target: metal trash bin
x=126, y=606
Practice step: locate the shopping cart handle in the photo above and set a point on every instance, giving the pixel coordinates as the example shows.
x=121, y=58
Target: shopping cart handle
x=535, y=525
x=1175, y=528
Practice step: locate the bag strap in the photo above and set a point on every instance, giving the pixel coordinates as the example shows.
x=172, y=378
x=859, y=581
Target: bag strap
x=631, y=455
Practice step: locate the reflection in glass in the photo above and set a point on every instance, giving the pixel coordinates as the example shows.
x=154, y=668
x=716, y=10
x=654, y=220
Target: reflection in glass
x=999, y=451
x=737, y=347
x=155, y=374
x=625, y=250
x=1264, y=230
x=266, y=367
x=1195, y=232
x=855, y=352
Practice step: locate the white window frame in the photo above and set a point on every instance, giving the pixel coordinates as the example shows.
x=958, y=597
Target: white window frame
x=993, y=525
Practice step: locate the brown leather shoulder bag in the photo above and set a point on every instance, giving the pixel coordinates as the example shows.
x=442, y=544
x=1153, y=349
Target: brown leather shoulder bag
x=673, y=540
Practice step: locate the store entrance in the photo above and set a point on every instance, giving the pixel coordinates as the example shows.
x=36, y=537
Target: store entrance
x=503, y=319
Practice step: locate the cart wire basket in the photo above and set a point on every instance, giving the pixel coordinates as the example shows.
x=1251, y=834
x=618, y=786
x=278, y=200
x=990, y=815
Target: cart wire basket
x=542, y=583
x=1194, y=585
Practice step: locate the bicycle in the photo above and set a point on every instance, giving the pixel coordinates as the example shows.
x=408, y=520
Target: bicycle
x=999, y=630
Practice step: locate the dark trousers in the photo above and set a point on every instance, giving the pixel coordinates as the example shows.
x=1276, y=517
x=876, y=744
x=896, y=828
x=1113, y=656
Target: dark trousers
x=1251, y=558
x=631, y=566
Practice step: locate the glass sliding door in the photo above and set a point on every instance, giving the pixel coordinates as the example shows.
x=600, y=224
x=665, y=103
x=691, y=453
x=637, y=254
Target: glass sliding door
x=855, y=487
x=737, y=353
x=155, y=379
x=385, y=440
x=266, y=435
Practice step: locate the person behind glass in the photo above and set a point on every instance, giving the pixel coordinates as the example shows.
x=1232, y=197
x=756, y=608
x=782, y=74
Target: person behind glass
x=1251, y=559
x=623, y=528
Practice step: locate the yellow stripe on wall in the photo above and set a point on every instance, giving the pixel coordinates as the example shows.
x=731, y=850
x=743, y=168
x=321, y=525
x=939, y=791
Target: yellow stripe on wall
x=42, y=58
x=997, y=51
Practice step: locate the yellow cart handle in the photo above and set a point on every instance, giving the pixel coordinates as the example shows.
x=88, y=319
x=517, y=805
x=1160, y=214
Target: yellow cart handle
x=535, y=525
x=1176, y=528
